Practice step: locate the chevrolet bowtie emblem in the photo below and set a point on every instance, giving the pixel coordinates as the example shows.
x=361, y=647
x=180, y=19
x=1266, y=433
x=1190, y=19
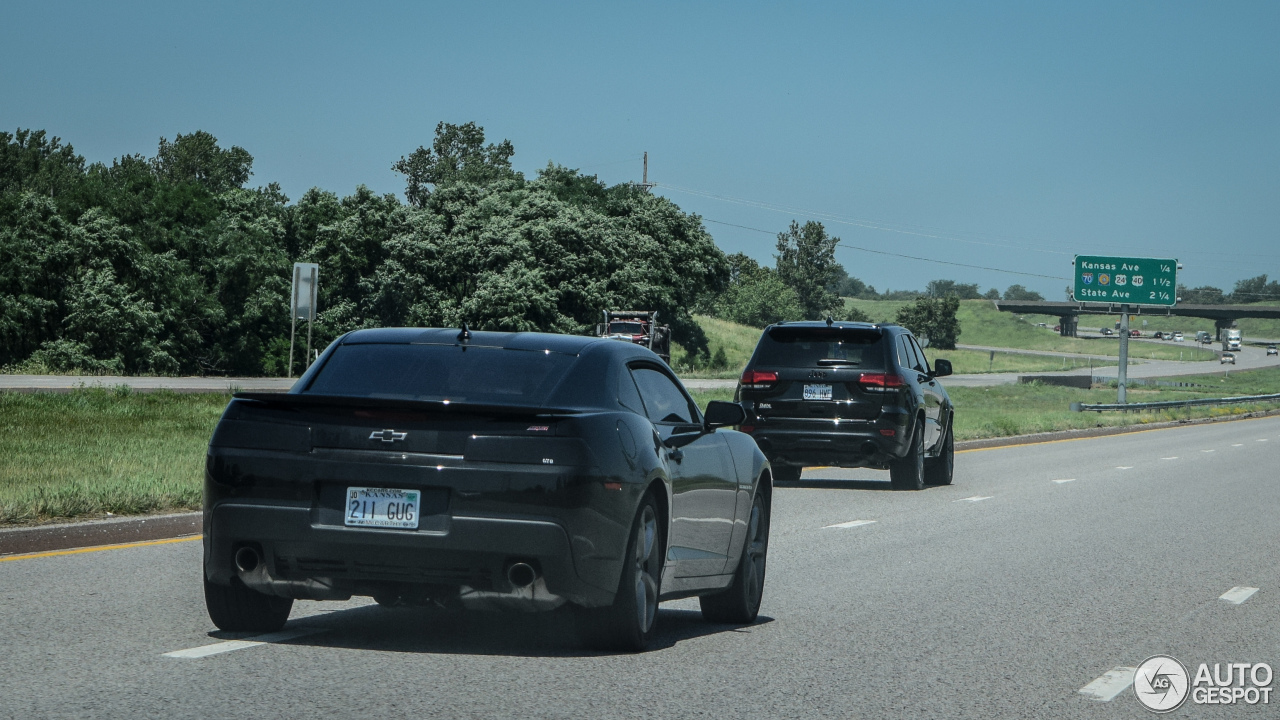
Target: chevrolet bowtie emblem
x=387, y=436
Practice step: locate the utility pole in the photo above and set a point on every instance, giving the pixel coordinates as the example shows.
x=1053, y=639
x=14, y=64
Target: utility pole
x=644, y=182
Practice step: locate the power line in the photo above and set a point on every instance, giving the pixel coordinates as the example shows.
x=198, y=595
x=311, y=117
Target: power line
x=844, y=244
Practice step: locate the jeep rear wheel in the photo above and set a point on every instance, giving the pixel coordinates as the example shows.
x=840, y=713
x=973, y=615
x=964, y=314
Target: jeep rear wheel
x=907, y=473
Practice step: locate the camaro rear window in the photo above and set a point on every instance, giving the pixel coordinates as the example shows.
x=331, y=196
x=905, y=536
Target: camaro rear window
x=809, y=346
x=442, y=372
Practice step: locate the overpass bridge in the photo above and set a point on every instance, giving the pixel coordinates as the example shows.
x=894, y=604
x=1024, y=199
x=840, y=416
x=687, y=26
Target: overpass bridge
x=1223, y=316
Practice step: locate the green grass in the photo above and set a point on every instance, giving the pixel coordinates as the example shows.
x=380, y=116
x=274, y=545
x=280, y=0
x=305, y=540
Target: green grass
x=92, y=452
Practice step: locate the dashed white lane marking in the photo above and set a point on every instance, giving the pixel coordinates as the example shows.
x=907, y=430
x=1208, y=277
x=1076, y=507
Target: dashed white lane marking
x=1262, y=439
x=1065, y=480
x=975, y=498
x=851, y=523
x=1175, y=457
x=1114, y=682
x=1206, y=451
x=1237, y=595
x=231, y=645
x=1124, y=467
x=1237, y=444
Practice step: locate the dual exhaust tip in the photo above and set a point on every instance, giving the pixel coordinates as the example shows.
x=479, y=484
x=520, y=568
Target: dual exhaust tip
x=520, y=575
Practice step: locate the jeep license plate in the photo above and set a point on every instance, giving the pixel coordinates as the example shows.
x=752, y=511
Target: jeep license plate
x=817, y=392
x=383, y=508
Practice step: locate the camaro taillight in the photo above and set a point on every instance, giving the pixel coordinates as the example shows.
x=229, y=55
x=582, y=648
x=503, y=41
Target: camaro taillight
x=757, y=380
x=880, y=382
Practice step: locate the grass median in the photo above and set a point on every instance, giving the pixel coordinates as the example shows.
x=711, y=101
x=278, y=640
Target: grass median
x=91, y=452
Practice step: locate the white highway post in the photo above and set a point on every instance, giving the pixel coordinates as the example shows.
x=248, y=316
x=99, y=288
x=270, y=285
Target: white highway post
x=1123, y=377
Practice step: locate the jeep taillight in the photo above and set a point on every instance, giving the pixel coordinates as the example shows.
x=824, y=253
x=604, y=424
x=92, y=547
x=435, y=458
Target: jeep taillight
x=880, y=382
x=757, y=380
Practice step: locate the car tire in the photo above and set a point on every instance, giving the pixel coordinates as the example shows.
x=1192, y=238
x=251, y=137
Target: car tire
x=786, y=473
x=740, y=604
x=907, y=473
x=237, y=608
x=939, y=470
x=628, y=624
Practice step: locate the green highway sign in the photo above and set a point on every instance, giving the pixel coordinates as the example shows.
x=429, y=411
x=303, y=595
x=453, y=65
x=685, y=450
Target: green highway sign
x=1136, y=281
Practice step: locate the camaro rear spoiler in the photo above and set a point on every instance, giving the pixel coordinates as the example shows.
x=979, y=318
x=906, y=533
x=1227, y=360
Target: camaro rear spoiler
x=298, y=400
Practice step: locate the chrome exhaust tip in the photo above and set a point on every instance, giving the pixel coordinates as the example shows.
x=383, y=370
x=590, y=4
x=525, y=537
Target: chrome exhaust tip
x=521, y=575
x=247, y=560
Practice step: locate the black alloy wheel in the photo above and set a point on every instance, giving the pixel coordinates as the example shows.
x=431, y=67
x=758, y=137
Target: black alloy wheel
x=238, y=608
x=628, y=624
x=907, y=473
x=740, y=604
x=939, y=470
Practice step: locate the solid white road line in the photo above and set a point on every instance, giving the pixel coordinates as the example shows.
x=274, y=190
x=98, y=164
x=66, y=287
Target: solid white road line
x=1114, y=682
x=1124, y=467
x=231, y=645
x=1237, y=595
x=975, y=498
x=1065, y=480
x=1175, y=457
x=851, y=523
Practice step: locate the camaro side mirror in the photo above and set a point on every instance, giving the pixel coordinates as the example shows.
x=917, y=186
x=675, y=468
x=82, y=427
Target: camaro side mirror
x=720, y=414
x=941, y=368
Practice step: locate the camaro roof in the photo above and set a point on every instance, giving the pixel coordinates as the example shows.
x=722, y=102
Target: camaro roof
x=568, y=344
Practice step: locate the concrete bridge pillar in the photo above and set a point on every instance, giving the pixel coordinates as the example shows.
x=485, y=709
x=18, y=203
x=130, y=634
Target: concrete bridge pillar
x=1219, y=325
x=1067, y=325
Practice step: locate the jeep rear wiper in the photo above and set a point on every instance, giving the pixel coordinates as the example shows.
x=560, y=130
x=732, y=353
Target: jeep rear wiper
x=834, y=361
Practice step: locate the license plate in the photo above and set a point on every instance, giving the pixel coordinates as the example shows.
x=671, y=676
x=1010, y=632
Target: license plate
x=817, y=392
x=383, y=507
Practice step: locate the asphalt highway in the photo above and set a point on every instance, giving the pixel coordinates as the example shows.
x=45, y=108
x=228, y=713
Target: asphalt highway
x=1044, y=571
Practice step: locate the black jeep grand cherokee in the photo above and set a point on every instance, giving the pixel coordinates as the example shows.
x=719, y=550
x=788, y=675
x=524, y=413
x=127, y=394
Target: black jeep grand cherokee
x=849, y=394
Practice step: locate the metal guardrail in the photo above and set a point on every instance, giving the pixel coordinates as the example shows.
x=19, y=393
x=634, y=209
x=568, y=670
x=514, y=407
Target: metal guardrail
x=1086, y=407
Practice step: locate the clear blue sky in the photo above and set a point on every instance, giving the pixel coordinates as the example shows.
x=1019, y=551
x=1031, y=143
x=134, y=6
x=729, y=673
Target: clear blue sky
x=1009, y=135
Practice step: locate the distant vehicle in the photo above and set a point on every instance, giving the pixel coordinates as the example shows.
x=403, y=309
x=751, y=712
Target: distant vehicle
x=1159, y=335
x=1177, y=337
x=1227, y=358
x=1107, y=331
x=1271, y=350
x=1231, y=340
x=639, y=327
x=1135, y=333
x=1057, y=328
x=1202, y=336
x=849, y=395
x=1041, y=325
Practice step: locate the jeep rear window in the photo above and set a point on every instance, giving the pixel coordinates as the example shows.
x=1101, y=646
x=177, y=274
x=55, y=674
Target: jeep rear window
x=488, y=375
x=809, y=346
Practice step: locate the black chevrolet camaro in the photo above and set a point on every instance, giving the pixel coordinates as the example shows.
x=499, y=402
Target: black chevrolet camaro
x=483, y=470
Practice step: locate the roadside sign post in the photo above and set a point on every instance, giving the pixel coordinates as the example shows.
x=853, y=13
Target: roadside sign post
x=302, y=306
x=1126, y=281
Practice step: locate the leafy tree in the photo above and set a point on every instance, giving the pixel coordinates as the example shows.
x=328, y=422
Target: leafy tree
x=991, y=294
x=846, y=286
x=755, y=295
x=196, y=158
x=944, y=288
x=1255, y=289
x=806, y=262
x=933, y=318
x=1203, y=295
x=458, y=154
x=1017, y=293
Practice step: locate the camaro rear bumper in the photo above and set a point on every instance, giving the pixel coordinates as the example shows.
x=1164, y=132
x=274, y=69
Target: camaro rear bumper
x=447, y=553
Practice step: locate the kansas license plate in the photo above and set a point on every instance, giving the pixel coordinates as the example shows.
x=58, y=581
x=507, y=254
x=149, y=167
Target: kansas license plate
x=383, y=507
x=817, y=392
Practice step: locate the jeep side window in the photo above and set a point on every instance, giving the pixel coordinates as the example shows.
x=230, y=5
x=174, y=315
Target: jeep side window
x=904, y=353
x=924, y=361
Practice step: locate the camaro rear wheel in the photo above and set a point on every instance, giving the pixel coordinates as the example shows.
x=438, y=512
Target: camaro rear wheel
x=938, y=471
x=908, y=473
x=741, y=602
x=629, y=623
x=236, y=608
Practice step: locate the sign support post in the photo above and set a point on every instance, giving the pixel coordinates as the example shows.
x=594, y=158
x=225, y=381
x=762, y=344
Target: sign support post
x=1122, y=379
x=302, y=306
